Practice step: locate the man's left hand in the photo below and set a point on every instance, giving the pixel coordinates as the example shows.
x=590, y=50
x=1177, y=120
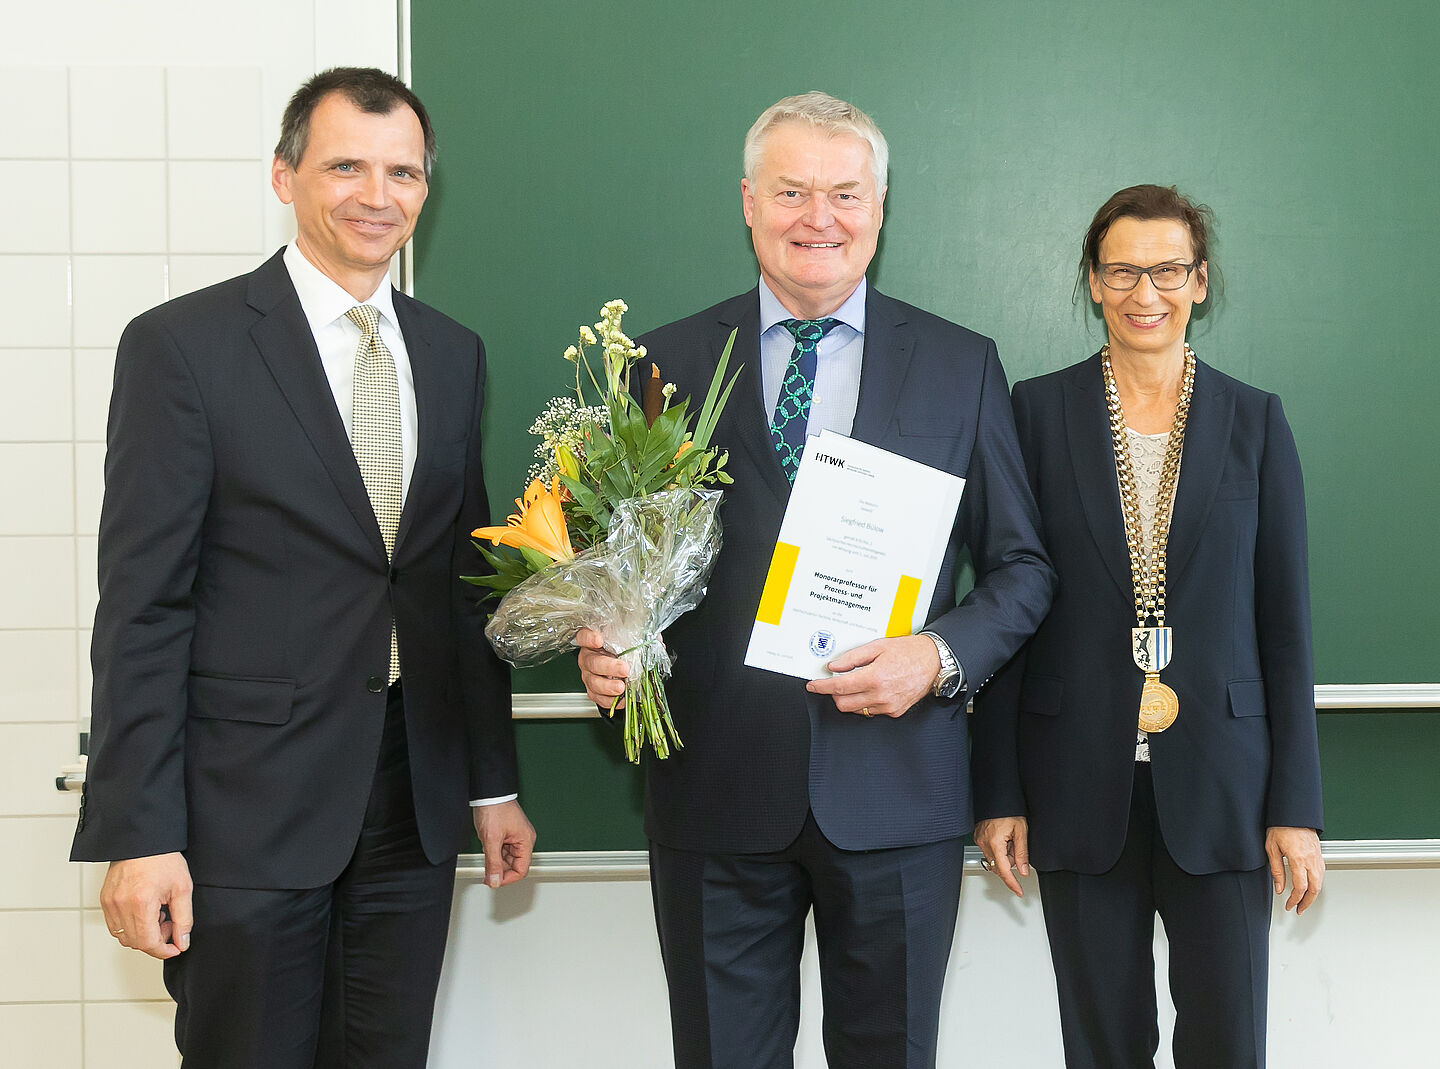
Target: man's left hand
x=881, y=678
x=1300, y=847
x=508, y=839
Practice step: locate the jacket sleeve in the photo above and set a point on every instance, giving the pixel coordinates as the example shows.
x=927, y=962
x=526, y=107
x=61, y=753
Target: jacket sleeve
x=158, y=477
x=995, y=757
x=1014, y=582
x=484, y=678
x=1282, y=611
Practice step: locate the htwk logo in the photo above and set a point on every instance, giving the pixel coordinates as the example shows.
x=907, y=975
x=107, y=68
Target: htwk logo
x=827, y=459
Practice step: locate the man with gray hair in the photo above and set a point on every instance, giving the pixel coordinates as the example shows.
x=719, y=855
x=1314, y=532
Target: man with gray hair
x=847, y=795
x=294, y=700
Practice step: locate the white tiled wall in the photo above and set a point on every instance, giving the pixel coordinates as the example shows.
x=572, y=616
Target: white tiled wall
x=127, y=183
x=139, y=183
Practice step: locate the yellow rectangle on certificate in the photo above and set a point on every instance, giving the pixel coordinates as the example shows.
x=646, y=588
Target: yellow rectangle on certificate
x=902, y=613
x=777, y=584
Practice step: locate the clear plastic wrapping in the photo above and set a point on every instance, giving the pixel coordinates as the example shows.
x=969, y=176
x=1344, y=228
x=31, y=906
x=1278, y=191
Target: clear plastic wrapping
x=651, y=569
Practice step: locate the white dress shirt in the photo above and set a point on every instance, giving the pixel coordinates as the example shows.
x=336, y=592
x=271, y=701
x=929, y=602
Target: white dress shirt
x=325, y=302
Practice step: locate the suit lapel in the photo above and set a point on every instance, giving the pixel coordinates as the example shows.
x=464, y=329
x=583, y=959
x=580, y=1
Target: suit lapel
x=885, y=363
x=1207, y=436
x=288, y=348
x=883, y=367
x=1092, y=456
x=426, y=376
x=747, y=403
x=1207, y=432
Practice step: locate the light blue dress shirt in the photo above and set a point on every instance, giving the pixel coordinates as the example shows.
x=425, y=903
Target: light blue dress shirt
x=837, y=361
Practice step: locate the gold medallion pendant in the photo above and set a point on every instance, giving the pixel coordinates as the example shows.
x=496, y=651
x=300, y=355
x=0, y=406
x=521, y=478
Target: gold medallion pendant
x=1158, y=705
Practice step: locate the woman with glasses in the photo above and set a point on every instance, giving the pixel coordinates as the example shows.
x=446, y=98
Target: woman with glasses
x=1153, y=749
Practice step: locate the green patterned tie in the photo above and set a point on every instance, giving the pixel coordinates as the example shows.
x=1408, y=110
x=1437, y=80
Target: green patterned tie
x=792, y=410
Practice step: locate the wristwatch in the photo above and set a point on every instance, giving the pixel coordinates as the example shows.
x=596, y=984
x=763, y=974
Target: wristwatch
x=947, y=680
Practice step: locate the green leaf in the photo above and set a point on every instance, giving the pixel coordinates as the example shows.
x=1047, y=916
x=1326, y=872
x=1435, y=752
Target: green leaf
x=715, y=398
x=500, y=584
x=537, y=560
x=503, y=563
x=630, y=430
x=509, y=571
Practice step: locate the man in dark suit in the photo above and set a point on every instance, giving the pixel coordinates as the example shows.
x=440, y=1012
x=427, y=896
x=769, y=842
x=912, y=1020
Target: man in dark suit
x=294, y=700
x=849, y=794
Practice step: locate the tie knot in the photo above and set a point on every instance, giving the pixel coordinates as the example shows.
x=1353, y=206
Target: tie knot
x=809, y=330
x=366, y=317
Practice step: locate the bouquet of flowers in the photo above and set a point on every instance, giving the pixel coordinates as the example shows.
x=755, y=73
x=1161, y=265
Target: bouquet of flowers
x=617, y=530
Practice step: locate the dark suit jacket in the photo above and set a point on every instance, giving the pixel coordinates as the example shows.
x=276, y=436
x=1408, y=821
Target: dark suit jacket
x=1055, y=731
x=759, y=750
x=242, y=635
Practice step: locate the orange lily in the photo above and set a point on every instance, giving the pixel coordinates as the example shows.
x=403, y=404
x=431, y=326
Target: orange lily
x=539, y=525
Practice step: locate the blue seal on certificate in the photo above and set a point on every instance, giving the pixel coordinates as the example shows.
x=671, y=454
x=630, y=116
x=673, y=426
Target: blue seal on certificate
x=822, y=643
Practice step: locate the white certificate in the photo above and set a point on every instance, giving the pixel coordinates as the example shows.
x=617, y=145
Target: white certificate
x=857, y=558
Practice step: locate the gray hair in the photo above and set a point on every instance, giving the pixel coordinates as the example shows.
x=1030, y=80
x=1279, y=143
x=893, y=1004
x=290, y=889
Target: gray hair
x=823, y=112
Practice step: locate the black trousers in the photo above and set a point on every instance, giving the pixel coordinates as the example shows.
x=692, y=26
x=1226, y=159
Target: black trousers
x=342, y=975
x=732, y=929
x=1102, y=931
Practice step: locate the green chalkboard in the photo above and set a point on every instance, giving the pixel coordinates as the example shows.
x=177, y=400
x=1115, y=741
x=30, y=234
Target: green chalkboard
x=593, y=151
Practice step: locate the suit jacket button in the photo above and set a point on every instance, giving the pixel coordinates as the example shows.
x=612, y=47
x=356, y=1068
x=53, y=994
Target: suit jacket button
x=374, y=684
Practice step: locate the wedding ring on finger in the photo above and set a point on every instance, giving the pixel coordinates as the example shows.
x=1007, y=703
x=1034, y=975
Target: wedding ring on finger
x=987, y=864
x=117, y=931
x=866, y=711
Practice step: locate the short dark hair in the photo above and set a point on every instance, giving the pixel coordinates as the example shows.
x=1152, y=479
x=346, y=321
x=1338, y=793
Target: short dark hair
x=1151, y=202
x=368, y=88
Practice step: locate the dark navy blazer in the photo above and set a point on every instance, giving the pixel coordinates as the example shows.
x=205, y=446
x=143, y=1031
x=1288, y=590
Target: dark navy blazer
x=759, y=749
x=1055, y=731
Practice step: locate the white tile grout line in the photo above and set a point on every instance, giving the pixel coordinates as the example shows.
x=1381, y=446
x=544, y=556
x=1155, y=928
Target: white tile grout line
x=126, y=159
x=74, y=429
x=74, y=400
x=165, y=135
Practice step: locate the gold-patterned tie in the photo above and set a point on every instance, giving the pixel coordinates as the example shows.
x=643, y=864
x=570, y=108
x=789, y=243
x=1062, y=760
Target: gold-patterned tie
x=375, y=436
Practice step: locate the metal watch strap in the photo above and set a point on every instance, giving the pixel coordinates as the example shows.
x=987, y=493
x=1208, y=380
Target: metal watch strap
x=949, y=668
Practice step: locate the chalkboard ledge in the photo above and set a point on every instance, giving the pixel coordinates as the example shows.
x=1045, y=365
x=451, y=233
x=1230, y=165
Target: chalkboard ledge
x=1330, y=697
x=1335, y=697
x=609, y=865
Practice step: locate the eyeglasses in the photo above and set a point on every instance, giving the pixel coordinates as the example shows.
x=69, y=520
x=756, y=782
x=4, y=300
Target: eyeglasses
x=1171, y=276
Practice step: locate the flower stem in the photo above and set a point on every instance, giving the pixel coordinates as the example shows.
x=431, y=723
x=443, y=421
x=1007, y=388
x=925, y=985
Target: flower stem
x=647, y=718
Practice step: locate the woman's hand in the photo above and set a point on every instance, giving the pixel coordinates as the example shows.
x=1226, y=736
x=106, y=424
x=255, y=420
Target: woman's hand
x=1301, y=847
x=1005, y=842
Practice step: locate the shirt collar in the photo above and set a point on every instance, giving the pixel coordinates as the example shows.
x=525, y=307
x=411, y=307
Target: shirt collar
x=324, y=300
x=851, y=313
